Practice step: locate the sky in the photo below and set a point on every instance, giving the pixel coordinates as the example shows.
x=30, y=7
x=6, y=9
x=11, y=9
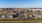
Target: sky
x=20, y=3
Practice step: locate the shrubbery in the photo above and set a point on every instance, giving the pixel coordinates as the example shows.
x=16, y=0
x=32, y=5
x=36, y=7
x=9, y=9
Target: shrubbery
x=17, y=19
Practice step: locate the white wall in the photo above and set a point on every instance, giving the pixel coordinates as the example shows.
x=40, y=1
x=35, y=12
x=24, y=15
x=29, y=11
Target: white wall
x=35, y=9
x=3, y=16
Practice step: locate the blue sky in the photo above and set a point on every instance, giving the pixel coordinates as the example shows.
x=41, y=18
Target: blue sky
x=20, y=3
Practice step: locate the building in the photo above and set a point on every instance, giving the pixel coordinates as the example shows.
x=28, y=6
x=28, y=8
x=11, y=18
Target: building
x=22, y=13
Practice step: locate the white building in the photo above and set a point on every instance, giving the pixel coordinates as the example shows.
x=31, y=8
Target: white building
x=36, y=10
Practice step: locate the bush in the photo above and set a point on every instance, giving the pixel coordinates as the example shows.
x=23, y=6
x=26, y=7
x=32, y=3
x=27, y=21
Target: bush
x=18, y=19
